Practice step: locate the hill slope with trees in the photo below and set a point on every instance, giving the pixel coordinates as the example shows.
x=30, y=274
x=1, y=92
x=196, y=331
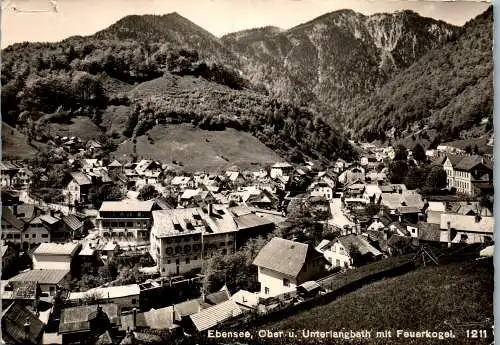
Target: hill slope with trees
x=450, y=89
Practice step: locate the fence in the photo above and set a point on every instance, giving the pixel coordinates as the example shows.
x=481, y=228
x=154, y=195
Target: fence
x=287, y=308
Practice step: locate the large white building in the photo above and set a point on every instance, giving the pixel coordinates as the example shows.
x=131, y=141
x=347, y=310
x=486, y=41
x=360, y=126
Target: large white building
x=470, y=175
x=182, y=238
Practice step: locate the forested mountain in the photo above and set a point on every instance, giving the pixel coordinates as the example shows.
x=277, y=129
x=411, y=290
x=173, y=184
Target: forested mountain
x=449, y=89
x=153, y=84
x=171, y=30
x=337, y=56
x=289, y=88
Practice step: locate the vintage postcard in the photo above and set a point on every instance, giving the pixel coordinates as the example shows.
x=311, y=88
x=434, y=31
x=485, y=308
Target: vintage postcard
x=245, y=172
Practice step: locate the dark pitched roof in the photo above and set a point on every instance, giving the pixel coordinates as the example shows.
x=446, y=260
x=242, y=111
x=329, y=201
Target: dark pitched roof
x=9, y=217
x=76, y=319
x=284, y=256
x=13, y=321
x=72, y=222
x=80, y=178
x=217, y=297
x=469, y=162
x=353, y=240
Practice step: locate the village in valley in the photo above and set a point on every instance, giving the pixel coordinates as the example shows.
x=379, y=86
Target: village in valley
x=98, y=250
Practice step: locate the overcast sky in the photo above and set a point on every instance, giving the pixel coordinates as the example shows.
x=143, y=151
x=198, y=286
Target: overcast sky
x=85, y=17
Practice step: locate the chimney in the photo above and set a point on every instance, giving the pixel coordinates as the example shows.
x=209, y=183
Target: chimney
x=210, y=209
x=134, y=320
x=449, y=234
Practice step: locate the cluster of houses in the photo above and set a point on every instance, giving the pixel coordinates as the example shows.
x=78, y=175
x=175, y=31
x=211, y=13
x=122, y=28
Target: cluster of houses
x=214, y=214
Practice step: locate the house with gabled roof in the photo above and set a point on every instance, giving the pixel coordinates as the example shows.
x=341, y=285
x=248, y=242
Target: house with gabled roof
x=20, y=326
x=472, y=175
x=48, y=279
x=77, y=188
x=284, y=264
x=88, y=322
x=214, y=315
x=457, y=228
x=9, y=259
x=345, y=250
x=12, y=228
x=281, y=169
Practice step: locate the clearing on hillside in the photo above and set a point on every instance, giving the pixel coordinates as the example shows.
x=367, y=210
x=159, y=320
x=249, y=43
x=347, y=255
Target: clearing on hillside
x=15, y=144
x=198, y=149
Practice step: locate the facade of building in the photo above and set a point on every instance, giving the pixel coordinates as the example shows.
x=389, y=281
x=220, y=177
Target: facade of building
x=281, y=169
x=182, y=238
x=77, y=189
x=54, y=256
x=283, y=265
x=130, y=219
x=322, y=189
x=468, y=174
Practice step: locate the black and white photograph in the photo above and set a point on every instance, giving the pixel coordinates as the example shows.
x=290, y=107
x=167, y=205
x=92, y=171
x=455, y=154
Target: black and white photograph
x=240, y=172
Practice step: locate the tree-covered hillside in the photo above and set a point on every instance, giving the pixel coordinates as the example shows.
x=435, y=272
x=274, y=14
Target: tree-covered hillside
x=450, y=90
x=157, y=84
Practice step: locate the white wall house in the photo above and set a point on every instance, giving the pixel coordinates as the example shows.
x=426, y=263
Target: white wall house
x=281, y=169
x=283, y=265
x=182, y=238
x=54, y=256
x=338, y=255
x=322, y=189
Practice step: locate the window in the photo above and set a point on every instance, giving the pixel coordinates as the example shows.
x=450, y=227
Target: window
x=286, y=282
x=130, y=224
x=133, y=301
x=177, y=261
x=26, y=236
x=168, y=262
x=266, y=290
x=230, y=243
x=224, y=252
x=121, y=224
x=45, y=235
x=338, y=263
x=222, y=244
x=33, y=236
x=9, y=235
x=17, y=235
x=187, y=260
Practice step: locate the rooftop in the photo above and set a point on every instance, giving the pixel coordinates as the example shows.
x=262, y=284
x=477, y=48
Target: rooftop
x=13, y=319
x=107, y=292
x=468, y=223
x=76, y=319
x=127, y=205
x=42, y=276
x=185, y=221
x=57, y=249
x=284, y=256
x=214, y=315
